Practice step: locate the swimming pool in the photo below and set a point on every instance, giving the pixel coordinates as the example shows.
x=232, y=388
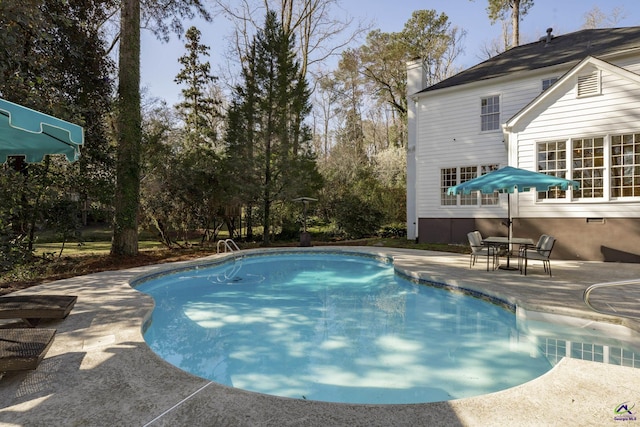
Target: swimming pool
x=334, y=327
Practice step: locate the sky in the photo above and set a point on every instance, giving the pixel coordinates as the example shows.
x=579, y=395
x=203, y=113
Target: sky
x=159, y=60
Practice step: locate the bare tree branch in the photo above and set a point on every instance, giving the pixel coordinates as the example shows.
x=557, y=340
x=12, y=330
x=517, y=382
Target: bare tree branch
x=321, y=31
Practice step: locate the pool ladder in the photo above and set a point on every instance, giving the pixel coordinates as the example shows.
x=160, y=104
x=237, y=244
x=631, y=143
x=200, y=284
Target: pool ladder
x=228, y=245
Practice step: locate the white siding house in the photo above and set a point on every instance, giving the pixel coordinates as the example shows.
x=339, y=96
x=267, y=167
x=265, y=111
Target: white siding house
x=568, y=106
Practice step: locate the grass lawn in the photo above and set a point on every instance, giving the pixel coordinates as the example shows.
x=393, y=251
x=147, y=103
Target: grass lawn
x=88, y=248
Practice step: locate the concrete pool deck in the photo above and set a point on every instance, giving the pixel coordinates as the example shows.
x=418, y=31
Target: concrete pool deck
x=100, y=372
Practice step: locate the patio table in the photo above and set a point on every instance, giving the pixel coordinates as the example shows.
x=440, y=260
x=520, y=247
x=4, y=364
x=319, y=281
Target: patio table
x=506, y=242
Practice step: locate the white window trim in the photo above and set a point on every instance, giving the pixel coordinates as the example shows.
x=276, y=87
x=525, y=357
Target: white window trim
x=478, y=195
x=605, y=168
x=499, y=128
x=609, y=167
x=569, y=158
x=606, y=194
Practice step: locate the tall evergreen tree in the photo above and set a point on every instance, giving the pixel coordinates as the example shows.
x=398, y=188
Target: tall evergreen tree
x=499, y=9
x=267, y=138
x=197, y=108
x=196, y=182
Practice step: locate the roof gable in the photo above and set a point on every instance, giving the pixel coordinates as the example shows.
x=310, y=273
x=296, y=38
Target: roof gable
x=567, y=49
x=532, y=108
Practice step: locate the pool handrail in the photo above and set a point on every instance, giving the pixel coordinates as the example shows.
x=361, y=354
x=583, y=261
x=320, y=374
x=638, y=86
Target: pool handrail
x=229, y=245
x=587, y=294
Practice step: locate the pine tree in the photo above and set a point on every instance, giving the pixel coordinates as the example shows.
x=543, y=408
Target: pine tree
x=499, y=9
x=197, y=108
x=197, y=178
x=268, y=141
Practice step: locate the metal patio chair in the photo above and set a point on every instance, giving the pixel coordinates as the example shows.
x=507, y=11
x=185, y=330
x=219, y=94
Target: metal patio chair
x=542, y=252
x=478, y=249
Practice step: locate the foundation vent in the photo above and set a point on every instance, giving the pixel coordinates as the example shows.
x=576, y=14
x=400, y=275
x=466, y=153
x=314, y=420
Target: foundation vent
x=595, y=220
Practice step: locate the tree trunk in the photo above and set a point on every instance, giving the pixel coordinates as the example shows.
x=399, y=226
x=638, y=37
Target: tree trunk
x=129, y=135
x=267, y=222
x=267, y=195
x=249, y=222
x=515, y=23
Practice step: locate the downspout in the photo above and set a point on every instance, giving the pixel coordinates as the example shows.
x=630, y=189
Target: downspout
x=414, y=153
x=416, y=81
x=512, y=160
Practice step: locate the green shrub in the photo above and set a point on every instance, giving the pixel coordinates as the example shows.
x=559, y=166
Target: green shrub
x=393, y=230
x=357, y=217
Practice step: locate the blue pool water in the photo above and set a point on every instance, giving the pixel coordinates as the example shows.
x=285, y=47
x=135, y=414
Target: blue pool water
x=339, y=328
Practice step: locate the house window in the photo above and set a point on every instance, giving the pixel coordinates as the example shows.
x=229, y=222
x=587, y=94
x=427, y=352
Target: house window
x=467, y=173
x=490, y=113
x=625, y=165
x=448, y=178
x=546, y=83
x=488, y=199
x=588, y=167
x=583, y=160
x=552, y=160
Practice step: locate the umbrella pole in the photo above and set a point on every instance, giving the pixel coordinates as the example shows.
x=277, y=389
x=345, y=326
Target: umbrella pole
x=508, y=266
x=509, y=228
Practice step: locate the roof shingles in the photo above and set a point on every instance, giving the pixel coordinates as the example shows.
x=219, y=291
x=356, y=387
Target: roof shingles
x=566, y=49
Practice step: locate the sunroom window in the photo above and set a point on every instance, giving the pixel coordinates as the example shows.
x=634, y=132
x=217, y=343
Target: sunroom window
x=587, y=160
x=625, y=165
x=588, y=167
x=552, y=160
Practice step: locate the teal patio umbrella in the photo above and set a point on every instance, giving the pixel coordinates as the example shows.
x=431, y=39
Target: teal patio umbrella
x=508, y=180
x=32, y=134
